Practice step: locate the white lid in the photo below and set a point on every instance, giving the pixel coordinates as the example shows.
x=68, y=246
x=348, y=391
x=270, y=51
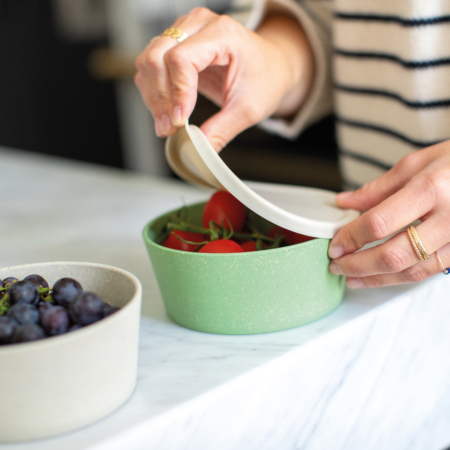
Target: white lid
x=305, y=210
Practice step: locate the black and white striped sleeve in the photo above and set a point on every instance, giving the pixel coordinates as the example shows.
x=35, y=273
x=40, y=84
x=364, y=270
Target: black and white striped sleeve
x=391, y=81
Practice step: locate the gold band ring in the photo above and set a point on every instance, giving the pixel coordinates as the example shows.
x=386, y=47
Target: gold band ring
x=445, y=271
x=418, y=243
x=414, y=246
x=175, y=33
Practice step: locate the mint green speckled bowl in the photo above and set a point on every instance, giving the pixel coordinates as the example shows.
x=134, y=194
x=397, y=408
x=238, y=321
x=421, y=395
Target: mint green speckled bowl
x=244, y=293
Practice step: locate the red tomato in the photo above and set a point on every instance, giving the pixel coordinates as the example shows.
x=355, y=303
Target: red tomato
x=222, y=206
x=221, y=246
x=295, y=238
x=175, y=244
x=249, y=246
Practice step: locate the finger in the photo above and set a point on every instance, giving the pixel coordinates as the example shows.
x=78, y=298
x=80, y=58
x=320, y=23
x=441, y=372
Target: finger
x=149, y=68
x=187, y=61
x=408, y=204
x=150, y=99
x=206, y=49
x=158, y=81
x=178, y=85
x=415, y=273
x=396, y=254
x=152, y=65
x=373, y=193
x=393, y=256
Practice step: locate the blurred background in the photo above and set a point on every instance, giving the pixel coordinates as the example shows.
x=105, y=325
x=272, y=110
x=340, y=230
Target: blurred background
x=66, y=89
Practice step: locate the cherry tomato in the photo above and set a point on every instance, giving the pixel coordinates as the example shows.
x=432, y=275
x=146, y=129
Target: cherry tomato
x=174, y=243
x=295, y=238
x=249, y=246
x=221, y=246
x=222, y=206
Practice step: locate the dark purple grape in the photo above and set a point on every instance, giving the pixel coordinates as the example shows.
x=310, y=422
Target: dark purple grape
x=7, y=327
x=24, y=313
x=87, y=308
x=75, y=327
x=9, y=281
x=65, y=290
x=23, y=292
x=108, y=310
x=27, y=332
x=55, y=320
x=43, y=305
x=39, y=281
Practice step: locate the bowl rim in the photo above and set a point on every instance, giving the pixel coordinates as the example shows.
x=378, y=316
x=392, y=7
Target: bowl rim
x=50, y=341
x=149, y=241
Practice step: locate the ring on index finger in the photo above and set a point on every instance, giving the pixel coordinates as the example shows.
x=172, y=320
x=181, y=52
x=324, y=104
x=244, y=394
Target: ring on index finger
x=174, y=33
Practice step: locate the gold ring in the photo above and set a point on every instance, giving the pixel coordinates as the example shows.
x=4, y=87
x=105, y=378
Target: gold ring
x=175, y=33
x=445, y=271
x=414, y=245
x=419, y=244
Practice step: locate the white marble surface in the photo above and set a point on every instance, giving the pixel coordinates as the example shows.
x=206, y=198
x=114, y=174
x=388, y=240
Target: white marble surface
x=374, y=374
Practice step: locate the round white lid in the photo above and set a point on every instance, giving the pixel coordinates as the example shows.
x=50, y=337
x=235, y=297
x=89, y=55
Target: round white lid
x=305, y=210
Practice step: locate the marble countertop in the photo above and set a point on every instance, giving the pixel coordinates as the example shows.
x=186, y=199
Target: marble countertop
x=374, y=374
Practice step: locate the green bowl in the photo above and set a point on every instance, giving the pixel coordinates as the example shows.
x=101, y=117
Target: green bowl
x=244, y=293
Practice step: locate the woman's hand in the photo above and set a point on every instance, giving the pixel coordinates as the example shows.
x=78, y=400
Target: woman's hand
x=418, y=187
x=250, y=75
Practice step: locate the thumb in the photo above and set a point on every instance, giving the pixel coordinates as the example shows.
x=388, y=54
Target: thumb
x=373, y=193
x=368, y=196
x=224, y=126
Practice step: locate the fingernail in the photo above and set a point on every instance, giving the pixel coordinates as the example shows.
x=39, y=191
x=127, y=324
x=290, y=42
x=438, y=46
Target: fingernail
x=354, y=283
x=177, y=118
x=335, y=251
x=166, y=124
x=344, y=197
x=335, y=269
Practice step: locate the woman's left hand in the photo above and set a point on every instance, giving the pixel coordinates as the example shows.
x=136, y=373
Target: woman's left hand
x=417, y=187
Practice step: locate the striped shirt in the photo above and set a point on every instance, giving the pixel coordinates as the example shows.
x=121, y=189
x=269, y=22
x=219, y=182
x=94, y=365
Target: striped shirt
x=382, y=67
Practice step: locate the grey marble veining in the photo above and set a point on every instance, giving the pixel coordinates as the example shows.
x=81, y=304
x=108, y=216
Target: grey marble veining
x=374, y=374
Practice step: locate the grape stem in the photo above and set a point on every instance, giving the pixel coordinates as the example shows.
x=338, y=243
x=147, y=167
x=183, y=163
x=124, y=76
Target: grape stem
x=48, y=298
x=42, y=290
x=4, y=304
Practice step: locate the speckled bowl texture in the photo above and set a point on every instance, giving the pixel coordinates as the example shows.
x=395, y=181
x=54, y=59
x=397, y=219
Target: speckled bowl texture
x=66, y=382
x=244, y=293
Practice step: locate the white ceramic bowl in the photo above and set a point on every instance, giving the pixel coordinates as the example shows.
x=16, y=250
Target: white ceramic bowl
x=62, y=383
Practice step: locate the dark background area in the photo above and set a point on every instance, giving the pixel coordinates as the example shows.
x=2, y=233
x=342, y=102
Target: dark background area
x=50, y=103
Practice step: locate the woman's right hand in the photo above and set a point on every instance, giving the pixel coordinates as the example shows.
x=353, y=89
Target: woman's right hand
x=249, y=75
